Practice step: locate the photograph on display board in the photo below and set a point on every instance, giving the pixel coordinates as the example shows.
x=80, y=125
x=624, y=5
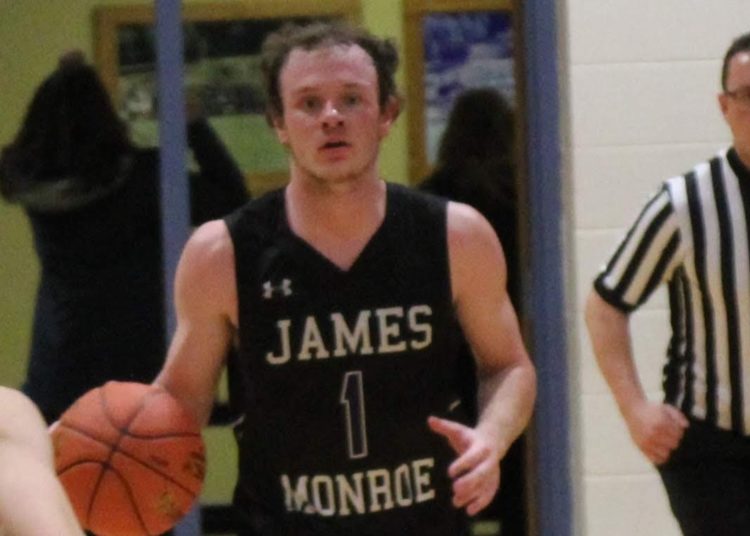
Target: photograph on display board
x=463, y=51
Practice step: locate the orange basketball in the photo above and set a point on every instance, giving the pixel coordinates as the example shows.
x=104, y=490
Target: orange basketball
x=131, y=459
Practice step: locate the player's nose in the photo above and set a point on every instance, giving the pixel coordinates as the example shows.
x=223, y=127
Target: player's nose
x=331, y=115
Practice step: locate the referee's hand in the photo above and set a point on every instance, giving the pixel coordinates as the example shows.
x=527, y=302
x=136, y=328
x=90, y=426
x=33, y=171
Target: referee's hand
x=657, y=429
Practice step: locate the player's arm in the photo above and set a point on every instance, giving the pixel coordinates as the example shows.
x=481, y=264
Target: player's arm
x=507, y=380
x=206, y=308
x=32, y=500
x=655, y=427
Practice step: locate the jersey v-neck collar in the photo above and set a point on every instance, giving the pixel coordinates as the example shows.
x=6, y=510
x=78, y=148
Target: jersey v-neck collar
x=370, y=249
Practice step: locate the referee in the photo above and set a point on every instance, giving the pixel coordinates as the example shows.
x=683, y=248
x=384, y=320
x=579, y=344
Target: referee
x=693, y=236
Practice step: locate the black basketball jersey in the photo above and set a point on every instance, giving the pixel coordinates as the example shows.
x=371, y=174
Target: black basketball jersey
x=337, y=372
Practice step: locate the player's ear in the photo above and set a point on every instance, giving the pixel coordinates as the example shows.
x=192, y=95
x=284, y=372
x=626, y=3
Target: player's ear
x=276, y=122
x=723, y=103
x=388, y=114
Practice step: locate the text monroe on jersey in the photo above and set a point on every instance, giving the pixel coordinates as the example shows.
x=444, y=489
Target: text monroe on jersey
x=363, y=492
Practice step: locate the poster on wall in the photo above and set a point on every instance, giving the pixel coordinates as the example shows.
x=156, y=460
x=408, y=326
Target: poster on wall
x=222, y=43
x=222, y=73
x=462, y=51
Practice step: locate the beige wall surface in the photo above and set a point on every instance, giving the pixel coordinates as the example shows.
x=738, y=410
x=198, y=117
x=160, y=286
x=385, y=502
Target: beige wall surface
x=642, y=79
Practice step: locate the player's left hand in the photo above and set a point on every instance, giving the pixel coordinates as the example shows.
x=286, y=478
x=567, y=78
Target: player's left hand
x=476, y=470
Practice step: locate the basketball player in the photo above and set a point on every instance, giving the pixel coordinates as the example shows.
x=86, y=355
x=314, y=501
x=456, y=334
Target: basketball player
x=344, y=294
x=32, y=500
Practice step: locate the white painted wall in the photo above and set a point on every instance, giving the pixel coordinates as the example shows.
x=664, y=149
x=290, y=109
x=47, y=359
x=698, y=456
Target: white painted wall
x=641, y=79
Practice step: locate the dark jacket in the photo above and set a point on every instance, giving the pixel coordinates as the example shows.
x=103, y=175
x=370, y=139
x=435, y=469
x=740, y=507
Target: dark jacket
x=100, y=305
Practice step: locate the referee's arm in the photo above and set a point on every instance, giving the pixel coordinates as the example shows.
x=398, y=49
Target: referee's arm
x=644, y=259
x=656, y=428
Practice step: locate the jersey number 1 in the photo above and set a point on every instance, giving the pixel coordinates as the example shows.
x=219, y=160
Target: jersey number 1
x=353, y=400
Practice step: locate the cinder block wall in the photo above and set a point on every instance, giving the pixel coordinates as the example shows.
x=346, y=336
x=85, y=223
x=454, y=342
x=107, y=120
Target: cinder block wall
x=641, y=79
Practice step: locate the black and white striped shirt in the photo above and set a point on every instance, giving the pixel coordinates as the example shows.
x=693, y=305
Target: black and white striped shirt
x=693, y=235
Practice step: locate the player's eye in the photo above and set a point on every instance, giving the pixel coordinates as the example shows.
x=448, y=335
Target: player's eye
x=351, y=100
x=311, y=104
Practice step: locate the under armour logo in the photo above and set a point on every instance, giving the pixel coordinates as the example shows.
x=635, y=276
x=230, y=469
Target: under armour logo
x=285, y=288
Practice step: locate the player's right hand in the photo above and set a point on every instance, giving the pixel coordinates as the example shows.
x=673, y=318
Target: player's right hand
x=476, y=470
x=657, y=429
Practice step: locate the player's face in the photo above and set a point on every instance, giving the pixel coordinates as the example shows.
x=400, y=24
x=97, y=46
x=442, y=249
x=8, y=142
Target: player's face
x=332, y=122
x=735, y=103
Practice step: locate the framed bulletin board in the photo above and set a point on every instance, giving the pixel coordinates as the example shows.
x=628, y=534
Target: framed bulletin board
x=222, y=71
x=451, y=46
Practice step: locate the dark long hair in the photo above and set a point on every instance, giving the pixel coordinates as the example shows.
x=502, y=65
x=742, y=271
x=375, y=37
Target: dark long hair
x=70, y=130
x=477, y=148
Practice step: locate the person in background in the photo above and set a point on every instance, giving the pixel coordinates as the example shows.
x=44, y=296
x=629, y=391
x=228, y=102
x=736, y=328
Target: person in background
x=476, y=165
x=692, y=236
x=32, y=500
x=92, y=199
x=344, y=293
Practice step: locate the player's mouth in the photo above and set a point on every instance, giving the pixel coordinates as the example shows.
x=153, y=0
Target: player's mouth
x=336, y=149
x=332, y=145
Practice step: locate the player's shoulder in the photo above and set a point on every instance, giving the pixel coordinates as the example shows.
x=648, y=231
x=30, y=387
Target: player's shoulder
x=471, y=238
x=208, y=249
x=210, y=236
x=206, y=271
x=466, y=222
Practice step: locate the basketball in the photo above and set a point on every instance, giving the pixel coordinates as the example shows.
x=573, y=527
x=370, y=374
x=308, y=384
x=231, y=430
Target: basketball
x=131, y=459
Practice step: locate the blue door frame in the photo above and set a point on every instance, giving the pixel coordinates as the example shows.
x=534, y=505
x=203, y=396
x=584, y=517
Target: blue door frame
x=552, y=470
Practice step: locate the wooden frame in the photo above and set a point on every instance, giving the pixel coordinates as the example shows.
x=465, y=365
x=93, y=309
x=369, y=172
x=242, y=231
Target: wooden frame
x=416, y=12
x=126, y=31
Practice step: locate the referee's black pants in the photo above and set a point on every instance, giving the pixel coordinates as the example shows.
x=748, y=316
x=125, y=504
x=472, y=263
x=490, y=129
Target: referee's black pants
x=707, y=479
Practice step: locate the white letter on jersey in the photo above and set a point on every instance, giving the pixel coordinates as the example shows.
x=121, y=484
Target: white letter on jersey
x=421, y=469
x=286, y=353
x=362, y=492
x=379, y=481
x=402, y=483
x=312, y=340
x=296, y=499
x=425, y=328
x=357, y=342
x=349, y=495
x=323, y=498
x=390, y=330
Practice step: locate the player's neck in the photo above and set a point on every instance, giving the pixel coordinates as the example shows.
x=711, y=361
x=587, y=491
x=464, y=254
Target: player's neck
x=339, y=223
x=341, y=205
